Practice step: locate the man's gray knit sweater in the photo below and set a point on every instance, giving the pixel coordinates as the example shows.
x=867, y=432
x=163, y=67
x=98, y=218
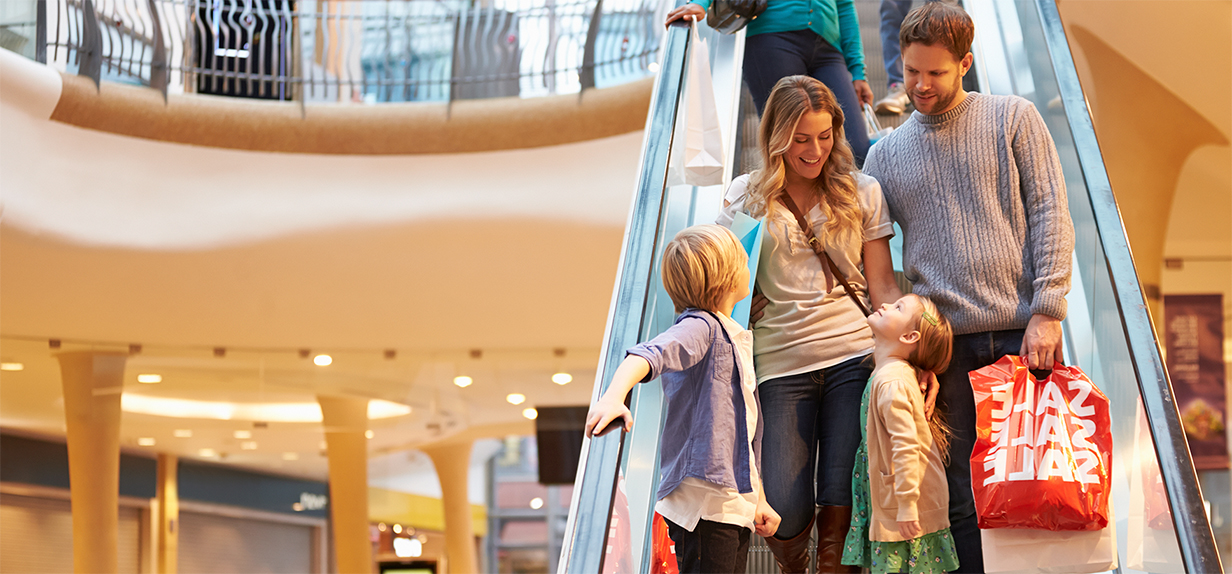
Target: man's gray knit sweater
x=979, y=193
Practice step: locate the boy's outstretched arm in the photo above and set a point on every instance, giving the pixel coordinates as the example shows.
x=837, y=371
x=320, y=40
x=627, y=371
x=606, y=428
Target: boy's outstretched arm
x=611, y=405
x=765, y=519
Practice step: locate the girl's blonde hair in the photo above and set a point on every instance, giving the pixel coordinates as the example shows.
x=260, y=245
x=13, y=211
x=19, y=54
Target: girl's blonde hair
x=701, y=267
x=835, y=188
x=932, y=354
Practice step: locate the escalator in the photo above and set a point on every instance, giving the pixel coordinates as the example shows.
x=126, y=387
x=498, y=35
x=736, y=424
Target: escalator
x=1020, y=49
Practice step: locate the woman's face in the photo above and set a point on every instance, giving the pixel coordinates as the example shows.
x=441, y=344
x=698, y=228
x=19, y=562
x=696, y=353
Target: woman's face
x=810, y=146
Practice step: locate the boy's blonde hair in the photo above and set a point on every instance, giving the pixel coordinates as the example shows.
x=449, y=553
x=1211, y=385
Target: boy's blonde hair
x=932, y=353
x=701, y=267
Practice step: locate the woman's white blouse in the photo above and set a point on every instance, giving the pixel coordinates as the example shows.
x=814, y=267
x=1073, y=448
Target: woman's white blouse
x=804, y=328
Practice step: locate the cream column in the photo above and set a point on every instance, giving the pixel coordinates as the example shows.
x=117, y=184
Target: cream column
x=346, y=421
x=452, y=461
x=168, y=513
x=92, y=384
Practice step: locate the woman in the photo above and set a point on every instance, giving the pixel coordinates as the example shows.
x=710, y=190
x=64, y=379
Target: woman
x=818, y=38
x=811, y=341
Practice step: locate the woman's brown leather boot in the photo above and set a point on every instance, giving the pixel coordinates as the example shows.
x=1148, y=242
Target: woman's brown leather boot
x=833, y=522
x=792, y=554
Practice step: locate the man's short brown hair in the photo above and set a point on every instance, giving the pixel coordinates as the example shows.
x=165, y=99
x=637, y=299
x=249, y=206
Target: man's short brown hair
x=938, y=24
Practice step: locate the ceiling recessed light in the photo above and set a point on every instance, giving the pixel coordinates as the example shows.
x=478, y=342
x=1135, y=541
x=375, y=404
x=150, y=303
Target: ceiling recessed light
x=531, y=414
x=463, y=381
x=243, y=434
x=149, y=378
x=298, y=507
x=207, y=452
x=249, y=445
x=397, y=529
x=146, y=441
x=516, y=398
x=183, y=433
x=290, y=456
x=369, y=434
x=536, y=503
x=562, y=378
x=322, y=360
x=11, y=366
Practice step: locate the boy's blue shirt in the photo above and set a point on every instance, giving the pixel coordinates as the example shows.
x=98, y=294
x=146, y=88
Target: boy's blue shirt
x=705, y=430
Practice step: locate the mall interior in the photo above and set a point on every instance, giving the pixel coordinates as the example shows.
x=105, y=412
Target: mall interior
x=322, y=285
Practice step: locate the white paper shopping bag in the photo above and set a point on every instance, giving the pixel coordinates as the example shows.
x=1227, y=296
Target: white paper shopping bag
x=1024, y=551
x=703, y=140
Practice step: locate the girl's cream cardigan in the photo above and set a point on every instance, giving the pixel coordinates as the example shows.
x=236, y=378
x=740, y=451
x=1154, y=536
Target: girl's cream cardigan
x=905, y=472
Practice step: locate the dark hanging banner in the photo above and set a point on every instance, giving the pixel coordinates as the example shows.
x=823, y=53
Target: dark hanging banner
x=1194, y=339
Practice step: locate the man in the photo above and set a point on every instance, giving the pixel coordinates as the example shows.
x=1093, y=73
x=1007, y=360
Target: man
x=975, y=182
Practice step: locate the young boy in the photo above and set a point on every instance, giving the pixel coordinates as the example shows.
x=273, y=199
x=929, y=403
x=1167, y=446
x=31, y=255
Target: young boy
x=710, y=490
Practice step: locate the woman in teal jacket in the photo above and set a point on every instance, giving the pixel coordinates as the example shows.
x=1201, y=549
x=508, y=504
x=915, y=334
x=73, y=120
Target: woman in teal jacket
x=818, y=38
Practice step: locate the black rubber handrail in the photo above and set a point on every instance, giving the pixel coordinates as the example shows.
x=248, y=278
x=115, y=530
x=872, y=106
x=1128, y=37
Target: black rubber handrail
x=1193, y=529
x=585, y=540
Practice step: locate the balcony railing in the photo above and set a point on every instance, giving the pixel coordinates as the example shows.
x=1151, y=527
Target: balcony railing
x=365, y=51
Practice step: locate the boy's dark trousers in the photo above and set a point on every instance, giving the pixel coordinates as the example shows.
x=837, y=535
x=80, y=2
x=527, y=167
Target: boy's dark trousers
x=712, y=547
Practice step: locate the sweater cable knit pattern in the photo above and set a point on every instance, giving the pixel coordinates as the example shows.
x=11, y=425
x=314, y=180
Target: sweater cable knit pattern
x=980, y=196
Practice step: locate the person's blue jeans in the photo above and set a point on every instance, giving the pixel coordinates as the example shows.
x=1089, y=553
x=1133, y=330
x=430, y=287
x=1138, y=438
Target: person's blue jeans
x=769, y=58
x=811, y=432
x=893, y=12
x=957, y=401
x=711, y=547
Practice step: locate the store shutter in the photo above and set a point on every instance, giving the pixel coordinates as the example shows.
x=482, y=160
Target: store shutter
x=36, y=536
x=211, y=543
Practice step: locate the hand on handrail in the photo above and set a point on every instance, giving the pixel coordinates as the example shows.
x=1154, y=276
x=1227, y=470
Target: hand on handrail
x=684, y=11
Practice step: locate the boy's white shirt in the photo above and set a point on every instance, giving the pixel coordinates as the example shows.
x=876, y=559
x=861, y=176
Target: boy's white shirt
x=696, y=499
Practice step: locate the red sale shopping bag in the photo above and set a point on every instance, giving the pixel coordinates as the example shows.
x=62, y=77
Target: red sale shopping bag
x=1043, y=449
x=663, y=554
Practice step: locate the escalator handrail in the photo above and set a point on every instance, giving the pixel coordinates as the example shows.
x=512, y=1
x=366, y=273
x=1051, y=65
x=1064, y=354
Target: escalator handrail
x=584, y=545
x=1193, y=529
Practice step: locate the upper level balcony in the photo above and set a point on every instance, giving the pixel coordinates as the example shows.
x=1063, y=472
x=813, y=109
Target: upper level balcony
x=352, y=51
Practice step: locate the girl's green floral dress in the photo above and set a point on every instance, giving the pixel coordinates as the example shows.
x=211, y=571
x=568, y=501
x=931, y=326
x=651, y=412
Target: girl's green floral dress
x=930, y=553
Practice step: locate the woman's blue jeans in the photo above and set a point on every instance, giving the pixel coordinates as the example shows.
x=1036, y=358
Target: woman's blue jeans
x=771, y=57
x=811, y=433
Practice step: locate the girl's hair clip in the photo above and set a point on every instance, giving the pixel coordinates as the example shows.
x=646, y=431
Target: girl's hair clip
x=932, y=319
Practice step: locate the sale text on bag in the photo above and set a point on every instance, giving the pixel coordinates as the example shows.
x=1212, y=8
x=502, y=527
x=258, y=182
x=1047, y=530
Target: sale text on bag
x=1043, y=449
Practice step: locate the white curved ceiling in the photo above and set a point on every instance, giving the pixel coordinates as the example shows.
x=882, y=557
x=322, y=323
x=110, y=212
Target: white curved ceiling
x=107, y=240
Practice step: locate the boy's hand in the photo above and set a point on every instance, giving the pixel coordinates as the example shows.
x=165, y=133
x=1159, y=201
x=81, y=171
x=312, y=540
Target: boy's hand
x=910, y=529
x=604, y=412
x=765, y=520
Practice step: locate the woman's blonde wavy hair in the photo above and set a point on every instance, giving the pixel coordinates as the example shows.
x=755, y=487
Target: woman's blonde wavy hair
x=836, y=187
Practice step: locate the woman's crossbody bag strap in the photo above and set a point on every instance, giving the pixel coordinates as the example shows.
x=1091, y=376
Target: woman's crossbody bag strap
x=821, y=252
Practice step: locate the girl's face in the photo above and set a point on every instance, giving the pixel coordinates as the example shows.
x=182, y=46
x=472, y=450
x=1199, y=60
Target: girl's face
x=810, y=146
x=893, y=320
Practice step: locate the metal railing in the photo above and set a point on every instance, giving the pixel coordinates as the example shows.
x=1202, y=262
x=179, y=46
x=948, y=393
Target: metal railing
x=354, y=50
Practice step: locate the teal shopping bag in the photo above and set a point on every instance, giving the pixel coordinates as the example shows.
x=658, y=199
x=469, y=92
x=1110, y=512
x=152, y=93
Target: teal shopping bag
x=749, y=232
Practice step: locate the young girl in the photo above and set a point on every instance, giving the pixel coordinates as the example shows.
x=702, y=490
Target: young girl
x=900, y=519
x=710, y=490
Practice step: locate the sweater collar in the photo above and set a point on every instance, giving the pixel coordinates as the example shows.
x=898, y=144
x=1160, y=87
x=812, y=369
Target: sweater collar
x=940, y=119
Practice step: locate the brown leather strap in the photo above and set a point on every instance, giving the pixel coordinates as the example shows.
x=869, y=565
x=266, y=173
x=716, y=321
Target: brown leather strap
x=820, y=250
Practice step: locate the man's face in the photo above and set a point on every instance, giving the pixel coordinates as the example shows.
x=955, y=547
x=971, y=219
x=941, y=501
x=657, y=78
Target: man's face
x=933, y=77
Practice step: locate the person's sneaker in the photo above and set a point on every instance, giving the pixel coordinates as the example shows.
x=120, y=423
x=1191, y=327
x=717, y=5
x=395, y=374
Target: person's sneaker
x=895, y=101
